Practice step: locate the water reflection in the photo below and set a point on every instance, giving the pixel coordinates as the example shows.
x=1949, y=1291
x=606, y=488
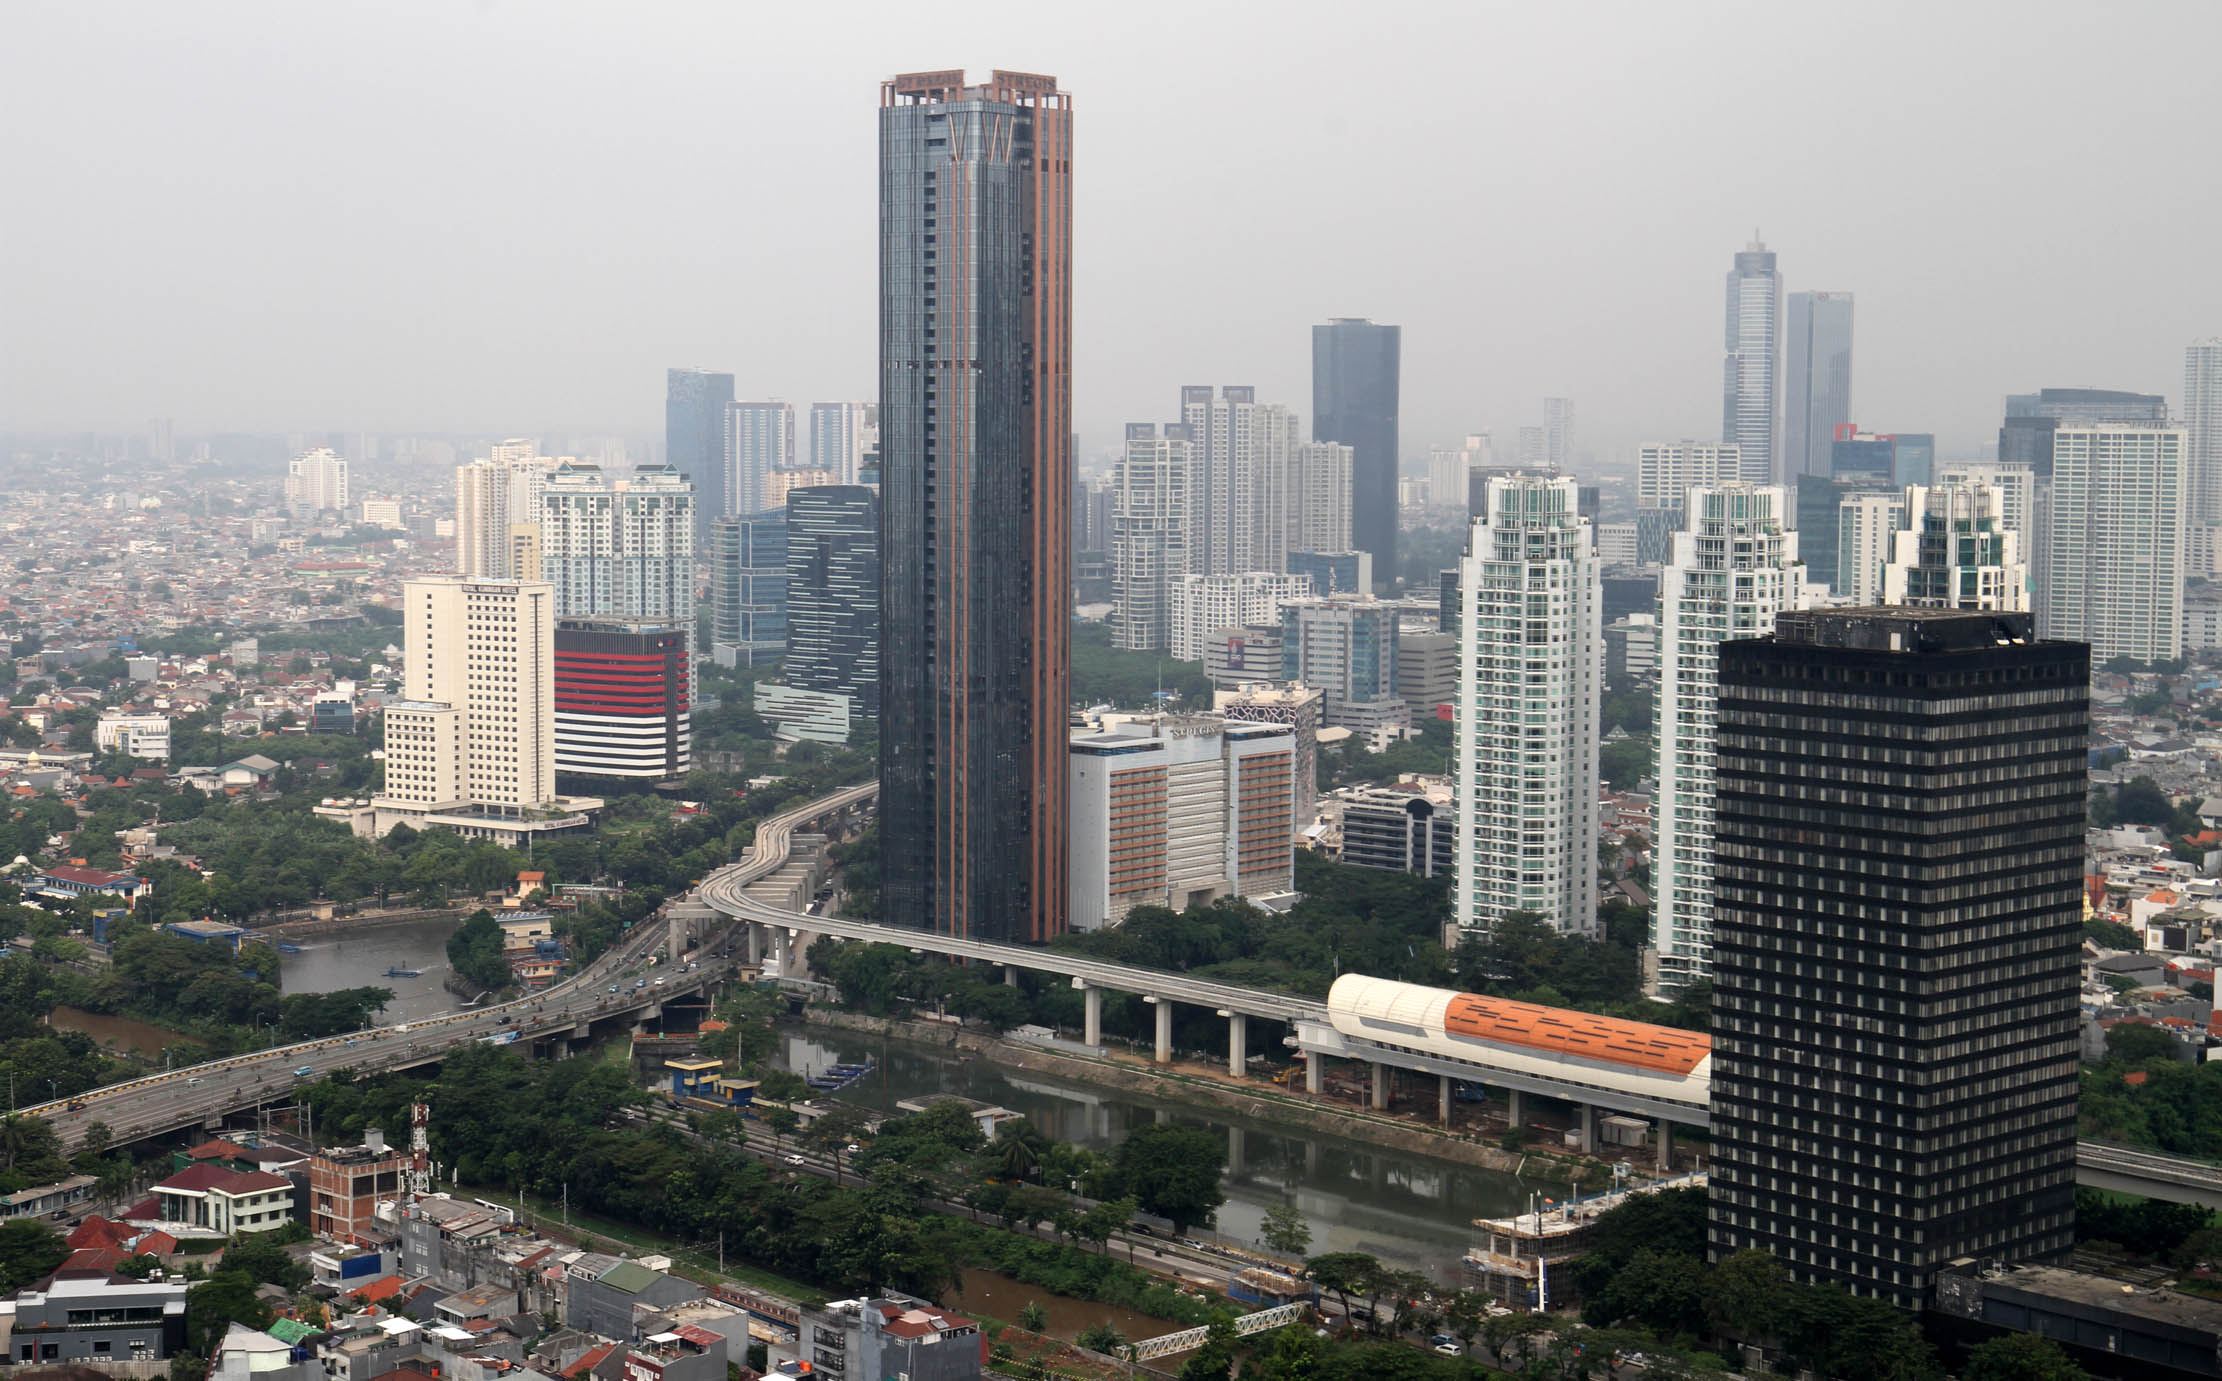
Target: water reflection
x=1405, y=1208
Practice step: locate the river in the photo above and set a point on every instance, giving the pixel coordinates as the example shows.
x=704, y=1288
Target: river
x=360, y=958
x=1412, y=1210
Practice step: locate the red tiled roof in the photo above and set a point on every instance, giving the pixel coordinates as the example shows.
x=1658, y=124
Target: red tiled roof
x=154, y=1243
x=385, y=1287
x=589, y=1362
x=207, y=1176
x=698, y=1335
x=99, y=1260
x=217, y=1149
x=97, y=1231
x=2135, y=1076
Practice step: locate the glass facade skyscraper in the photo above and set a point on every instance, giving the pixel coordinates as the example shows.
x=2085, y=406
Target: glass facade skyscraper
x=748, y=588
x=1751, y=409
x=976, y=486
x=694, y=440
x=2032, y=418
x=1898, y=859
x=833, y=593
x=1817, y=380
x=1355, y=367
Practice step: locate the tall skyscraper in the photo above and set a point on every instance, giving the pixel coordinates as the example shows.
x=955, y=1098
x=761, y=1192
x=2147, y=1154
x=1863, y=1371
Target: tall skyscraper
x=497, y=512
x=694, y=440
x=838, y=437
x=2114, y=550
x=2031, y=419
x=1558, y=435
x=2016, y=487
x=759, y=439
x=1239, y=479
x=1355, y=367
x=1860, y=465
x=1751, y=409
x=748, y=588
x=1202, y=605
x=1894, y=1055
x=1150, y=527
x=1817, y=380
x=2202, y=423
x=1735, y=568
x=1955, y=552
x=618, y=547
x=1530, y=687
x=976, y=481
x=622, y=696
x=1319, y=490
x=833, y=593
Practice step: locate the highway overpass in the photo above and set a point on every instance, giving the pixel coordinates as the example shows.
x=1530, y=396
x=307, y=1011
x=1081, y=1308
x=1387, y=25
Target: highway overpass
x=552, y=1019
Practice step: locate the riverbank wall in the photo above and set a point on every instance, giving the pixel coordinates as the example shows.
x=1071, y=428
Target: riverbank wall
x=1264, y=1102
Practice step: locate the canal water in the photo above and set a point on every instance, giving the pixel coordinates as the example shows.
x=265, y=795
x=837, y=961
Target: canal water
x=1410, y=1210
x=360, y=958
x=125, y=1033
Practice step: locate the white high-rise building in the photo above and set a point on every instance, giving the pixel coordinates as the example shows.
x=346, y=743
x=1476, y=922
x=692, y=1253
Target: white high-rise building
x=1449, y=470
x=1150, y=527
x=622, y=548
x=1735, y=566
x=1530, y=686
x=838, y=434
x=1666, y=469
x=317, y=481
x=1751, y=410
x=471, y=744
x=1319, y=498
x=1239, y=479
x=1954, y=552
x=1866, y=525
x=1201, y=605
x=759, y=438
x=2114, y=558
x=2016, y=487
x=497, y=512
x=2202, y=423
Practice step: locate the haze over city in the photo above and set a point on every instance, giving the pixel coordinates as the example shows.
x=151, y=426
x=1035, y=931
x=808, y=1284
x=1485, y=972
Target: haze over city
x=508, y=217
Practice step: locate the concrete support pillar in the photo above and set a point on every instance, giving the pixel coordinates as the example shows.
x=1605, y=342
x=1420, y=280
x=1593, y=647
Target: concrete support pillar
x=1311, y=1158
x=1514, y=1115
x=1235, y=1149
x=1010, y=975
x=783, y=950
x=1164, y=1053
x=1666, y=1145
x=1091, y=1027
x=1443, y=1097
x=1588, y=1127
x=675, y=934
x=1380, y=1087
x=1315, y=1074
x=1238, y=1044
x=755, y=934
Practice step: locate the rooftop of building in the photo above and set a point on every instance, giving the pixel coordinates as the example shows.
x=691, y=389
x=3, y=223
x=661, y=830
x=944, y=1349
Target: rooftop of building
x=1900, y=628
x=2101, y=1292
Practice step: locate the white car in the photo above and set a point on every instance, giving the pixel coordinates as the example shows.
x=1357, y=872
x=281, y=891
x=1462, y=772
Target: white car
x=794, y=1160
x=1450, y=1349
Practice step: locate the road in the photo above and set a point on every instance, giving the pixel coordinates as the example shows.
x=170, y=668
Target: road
x=620, y=980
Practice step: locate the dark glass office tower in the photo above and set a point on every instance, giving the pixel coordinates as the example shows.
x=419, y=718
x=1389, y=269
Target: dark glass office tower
x=2032, y=418
x=1817, y=380
x=1898, y=857
x=833, y=593
x=975, y=489
x=694, y=440
x=1354, y=402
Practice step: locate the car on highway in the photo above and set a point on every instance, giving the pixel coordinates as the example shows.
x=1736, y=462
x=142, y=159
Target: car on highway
x=303, y=1072
x=613, y=987
x=794, y=1160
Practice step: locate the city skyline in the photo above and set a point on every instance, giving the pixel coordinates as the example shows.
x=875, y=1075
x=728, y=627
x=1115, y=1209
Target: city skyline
x=396, y=343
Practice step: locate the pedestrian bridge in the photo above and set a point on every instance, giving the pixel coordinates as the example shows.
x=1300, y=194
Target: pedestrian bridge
x=1189, y=1339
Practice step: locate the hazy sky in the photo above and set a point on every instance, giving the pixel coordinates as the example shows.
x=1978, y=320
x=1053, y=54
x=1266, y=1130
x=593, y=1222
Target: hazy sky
x=511, y=217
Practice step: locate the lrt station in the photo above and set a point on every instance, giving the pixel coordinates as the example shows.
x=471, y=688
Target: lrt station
x=1618, y=1075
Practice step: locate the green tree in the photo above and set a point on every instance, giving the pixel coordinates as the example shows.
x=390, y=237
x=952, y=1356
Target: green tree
x=1345, y=1275
x=1101, y=1337
x=1032, y=1317
x=2142, y=802
x=2136, y=1043
x=1214, y=1361
x=475, y=951
x=1745, y=1296
x=1655, y=1289
x=1173, y=1171
x=2020, y=1357
x=1285, y=1230
x=218, y=1302
x=29, y=1251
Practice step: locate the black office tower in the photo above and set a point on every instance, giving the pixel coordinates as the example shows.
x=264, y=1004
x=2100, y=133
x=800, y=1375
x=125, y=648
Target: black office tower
x=1898, y=866
x=975, y=493
x=833, y=593
x=694, y=441
x=1354, y=402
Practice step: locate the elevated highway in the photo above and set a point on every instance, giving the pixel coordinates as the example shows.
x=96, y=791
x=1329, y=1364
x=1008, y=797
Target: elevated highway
x=618, y=986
